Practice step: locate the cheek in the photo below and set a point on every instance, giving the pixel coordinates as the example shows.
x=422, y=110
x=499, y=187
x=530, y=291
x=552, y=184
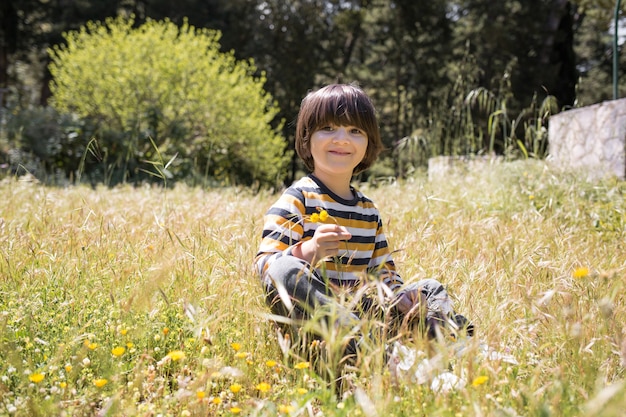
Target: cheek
x=365, y=148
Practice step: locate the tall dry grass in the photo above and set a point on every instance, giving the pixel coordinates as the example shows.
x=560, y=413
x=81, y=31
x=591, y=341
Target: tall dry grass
x=535, y=258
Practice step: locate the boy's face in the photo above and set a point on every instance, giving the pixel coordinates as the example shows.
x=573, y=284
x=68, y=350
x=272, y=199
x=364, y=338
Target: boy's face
x=337, y=150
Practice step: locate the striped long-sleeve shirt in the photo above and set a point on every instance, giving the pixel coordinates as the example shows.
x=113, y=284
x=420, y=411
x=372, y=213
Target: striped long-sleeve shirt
x=287, y=223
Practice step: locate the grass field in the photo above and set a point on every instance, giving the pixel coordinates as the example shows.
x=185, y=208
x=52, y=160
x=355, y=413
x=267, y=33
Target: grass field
x=143, y=301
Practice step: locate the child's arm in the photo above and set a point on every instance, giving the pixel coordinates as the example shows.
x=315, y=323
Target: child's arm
x=282, y=230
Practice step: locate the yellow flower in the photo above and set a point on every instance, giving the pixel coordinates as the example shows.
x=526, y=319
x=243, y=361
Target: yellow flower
x=286, y=408
x=100, y=382
x=315, y=218
x=92, y=346
x=323, y=215
x=123, y=332
x=479, y=380
x=130, y=345
x=581, y=272
x=62, y=384
x=270, y=363
x=264, y=387
x=216, y=400
x=302, y=365
x=166, y=331
x=118, y=351
x=176, y=355
x=302, y=391
x=36, y=378
x=68, y=367
x=236, y=346
x=241, y=355
x=200, y=395
x=235, y=410
x=235, y=388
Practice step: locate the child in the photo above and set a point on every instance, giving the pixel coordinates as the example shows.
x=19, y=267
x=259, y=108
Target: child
x=324, y=238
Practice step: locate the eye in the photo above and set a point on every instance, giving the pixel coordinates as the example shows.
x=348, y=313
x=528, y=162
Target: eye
x=327, y=128
x=357, y=131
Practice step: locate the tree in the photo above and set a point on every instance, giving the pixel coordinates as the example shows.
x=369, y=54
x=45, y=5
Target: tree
x=594, y=50
x=402, y=57
x=27, y=28
x=166, y=96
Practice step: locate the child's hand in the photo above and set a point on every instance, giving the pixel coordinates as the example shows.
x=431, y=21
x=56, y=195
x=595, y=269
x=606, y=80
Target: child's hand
x=412, y=303
x=325, y=243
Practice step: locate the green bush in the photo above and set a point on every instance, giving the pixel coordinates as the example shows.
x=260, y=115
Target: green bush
x=45, y=143
x=167, y=102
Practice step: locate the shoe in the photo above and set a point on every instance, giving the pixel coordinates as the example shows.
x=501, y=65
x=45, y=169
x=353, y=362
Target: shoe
x=461, y=324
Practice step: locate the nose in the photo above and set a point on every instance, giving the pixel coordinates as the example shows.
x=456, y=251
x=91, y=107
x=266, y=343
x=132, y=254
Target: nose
x=341, y=135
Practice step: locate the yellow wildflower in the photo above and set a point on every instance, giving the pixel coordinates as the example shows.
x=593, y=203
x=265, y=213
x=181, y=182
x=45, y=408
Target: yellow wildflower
x=264, y=387
x=166, y=330
x=235, y=388
x=286, y=408
x=118, y=351
x=100, y=382
x=68, y=367
x=36, y=378
x=323, y=215
x=216, y=400
x=123, y=332
x=479, y=380
x=315, y=218
x=302, y=391
x=581, y=272
x=270, y=363
x=241, y=355
x=92, y=346
x=176, y=355
x=130, y=345
x=200, y=395
x=302, y=365
x=62, y=384
x=235, y=410
x=236, y=346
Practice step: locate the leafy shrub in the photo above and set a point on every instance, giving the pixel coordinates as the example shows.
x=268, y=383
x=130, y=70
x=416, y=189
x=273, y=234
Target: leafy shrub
x=44, y=142
x=168, y=102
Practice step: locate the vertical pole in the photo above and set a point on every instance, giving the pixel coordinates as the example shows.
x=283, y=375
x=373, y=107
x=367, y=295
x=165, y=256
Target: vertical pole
x=615, y=53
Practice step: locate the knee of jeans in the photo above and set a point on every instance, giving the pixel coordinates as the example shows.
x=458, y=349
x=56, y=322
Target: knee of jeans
x=430, y=287
x=284, y=266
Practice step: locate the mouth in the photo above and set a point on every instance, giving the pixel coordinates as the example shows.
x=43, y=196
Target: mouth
x=340, y=153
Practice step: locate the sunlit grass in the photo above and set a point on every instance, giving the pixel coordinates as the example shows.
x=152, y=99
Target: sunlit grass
x=143, y=301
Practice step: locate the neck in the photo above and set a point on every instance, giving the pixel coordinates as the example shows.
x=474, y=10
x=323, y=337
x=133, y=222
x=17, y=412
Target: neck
x=338, y=184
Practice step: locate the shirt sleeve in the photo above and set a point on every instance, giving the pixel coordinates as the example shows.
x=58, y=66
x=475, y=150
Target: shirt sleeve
x=282, y=229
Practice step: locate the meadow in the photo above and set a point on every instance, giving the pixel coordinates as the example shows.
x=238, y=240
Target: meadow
x=144, y=302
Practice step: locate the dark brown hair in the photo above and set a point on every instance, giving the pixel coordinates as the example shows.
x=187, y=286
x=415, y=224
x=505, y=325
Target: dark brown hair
x=341, y=105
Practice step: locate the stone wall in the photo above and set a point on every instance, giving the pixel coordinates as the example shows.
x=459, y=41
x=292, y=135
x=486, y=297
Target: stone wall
x=591, y=139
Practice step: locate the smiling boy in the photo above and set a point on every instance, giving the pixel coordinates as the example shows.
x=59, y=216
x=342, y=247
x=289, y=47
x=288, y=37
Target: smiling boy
x=303, y=264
